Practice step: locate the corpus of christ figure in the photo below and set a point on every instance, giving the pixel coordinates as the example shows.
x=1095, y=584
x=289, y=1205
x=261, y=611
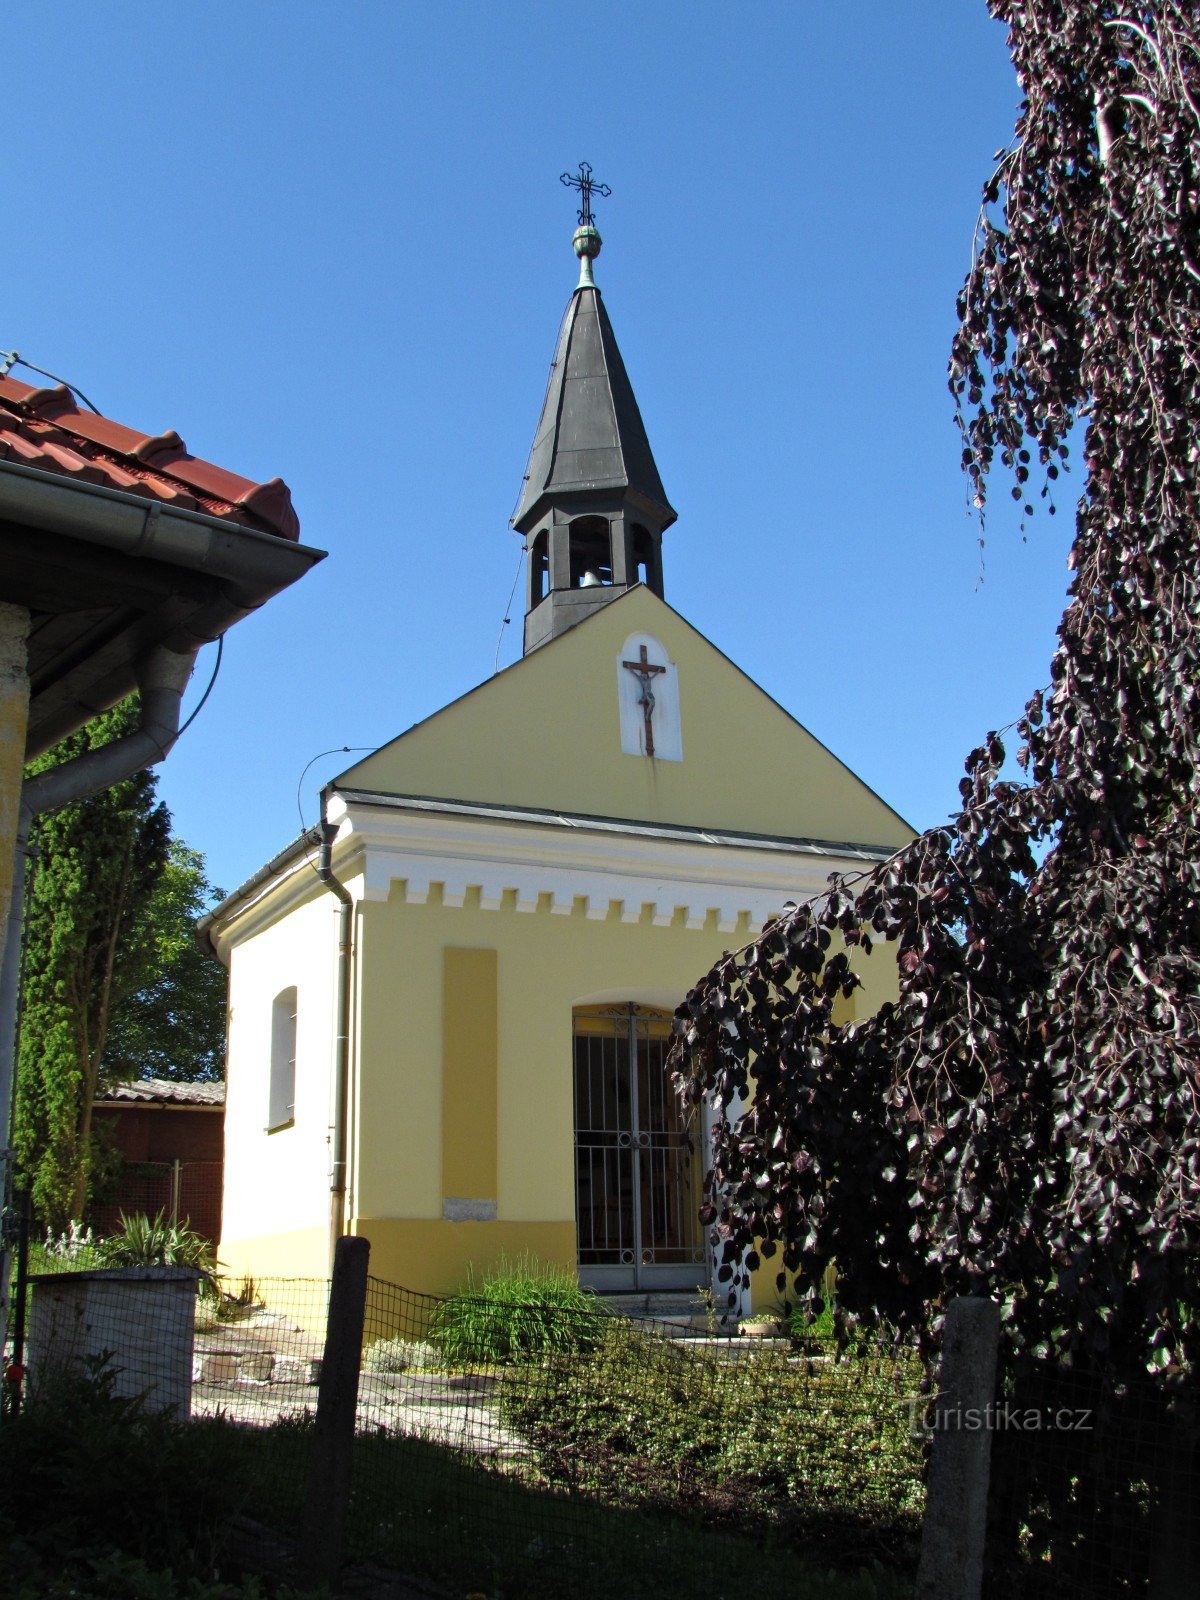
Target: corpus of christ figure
x=645, y=671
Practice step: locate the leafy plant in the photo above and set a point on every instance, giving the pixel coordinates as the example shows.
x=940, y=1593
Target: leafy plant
x=818, y=1449
x=401, y=1355
x=84, y=1471
x=517, y=1309
x=802, y=1325
x=1021, y=1121
x=75, y=1244
x=156, y=1241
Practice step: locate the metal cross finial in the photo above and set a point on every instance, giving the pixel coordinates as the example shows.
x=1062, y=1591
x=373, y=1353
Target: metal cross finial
x=587, y=188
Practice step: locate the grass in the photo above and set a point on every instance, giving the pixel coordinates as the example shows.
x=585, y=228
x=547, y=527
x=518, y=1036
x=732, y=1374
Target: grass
x=516, y=1310
x=443, y=1516
x=101, y=1500
x=636, y=1467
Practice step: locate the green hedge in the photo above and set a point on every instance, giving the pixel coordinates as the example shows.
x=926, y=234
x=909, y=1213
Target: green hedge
x=817, y=1445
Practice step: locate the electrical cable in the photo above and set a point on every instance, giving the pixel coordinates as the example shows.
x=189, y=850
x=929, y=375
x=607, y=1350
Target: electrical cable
x=14, y=358
x=208, y=691
x=508, y=608
x=334, y=750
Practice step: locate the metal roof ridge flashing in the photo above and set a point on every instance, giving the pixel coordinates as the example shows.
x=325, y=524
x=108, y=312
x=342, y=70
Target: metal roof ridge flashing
x=580, y=820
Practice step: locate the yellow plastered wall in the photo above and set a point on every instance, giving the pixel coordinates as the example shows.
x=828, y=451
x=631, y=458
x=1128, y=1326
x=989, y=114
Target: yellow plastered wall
x=276, y=1206
x=422, y=965
x=462, y=1088
x=546, y=733
x=469, y=1075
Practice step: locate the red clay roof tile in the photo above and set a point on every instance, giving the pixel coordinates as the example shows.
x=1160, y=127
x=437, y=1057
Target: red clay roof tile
x=45, y=428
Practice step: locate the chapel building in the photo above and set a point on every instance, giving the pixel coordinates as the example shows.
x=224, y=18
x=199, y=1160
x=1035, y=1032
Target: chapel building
x=450, y=1015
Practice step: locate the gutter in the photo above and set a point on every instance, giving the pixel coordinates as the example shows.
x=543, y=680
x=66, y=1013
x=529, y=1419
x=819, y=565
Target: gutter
x=256, y=565
x=205, y=924
x=246, y=567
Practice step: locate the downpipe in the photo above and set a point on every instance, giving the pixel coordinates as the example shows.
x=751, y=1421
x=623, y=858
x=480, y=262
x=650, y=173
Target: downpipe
x=341, y=1069
x=162, y=677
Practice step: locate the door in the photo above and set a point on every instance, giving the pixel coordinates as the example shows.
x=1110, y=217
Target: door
x=636, y=1178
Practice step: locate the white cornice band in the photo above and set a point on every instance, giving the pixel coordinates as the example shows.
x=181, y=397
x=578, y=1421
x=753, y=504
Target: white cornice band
x=561, y=865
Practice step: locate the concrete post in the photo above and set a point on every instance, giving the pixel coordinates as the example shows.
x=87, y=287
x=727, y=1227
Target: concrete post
x=962, y=1415
x=14, y=719
x=14, y=716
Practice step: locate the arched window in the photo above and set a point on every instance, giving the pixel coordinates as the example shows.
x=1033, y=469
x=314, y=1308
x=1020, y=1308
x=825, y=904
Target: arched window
x=539, y=568
x=281, y=1107
x=643, y=556
x=591, y=552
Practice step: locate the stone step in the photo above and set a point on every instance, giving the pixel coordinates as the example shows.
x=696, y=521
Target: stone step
x=679, y=1313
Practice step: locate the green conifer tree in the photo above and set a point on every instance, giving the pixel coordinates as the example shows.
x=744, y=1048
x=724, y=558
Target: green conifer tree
x=89, y=944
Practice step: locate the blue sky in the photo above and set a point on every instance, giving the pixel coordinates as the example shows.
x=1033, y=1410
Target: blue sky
x=329, y=243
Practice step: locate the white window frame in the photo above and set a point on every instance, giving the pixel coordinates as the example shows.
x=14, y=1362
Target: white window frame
x=281, y=1086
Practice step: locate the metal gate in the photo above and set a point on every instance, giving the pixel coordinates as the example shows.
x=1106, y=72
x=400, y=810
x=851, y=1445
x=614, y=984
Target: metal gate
x=636, y=1178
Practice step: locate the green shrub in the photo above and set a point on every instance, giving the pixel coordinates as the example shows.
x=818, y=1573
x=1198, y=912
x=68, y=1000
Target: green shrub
x=401, y=1355
x=802, y=1326
x=84, y=1471
x=816, y=1447
x=104, y=1573
x=519, y=1309
x=157, y=1242
x=73, y=1251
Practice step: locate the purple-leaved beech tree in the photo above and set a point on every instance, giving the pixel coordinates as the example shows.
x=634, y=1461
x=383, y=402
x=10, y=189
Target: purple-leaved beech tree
x=1025, y=1120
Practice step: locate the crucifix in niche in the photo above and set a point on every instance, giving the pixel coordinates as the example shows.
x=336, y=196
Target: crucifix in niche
x=645, y=671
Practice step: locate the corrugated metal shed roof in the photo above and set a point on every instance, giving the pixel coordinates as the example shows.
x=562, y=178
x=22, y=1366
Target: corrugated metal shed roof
x=162, y=1091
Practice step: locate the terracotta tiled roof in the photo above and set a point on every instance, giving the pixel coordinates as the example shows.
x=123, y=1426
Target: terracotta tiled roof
x=163, y=1091
x=45, y=428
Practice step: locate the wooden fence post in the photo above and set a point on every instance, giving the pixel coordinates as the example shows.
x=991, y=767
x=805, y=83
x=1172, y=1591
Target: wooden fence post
x=323, y=1539
x=962, y=1416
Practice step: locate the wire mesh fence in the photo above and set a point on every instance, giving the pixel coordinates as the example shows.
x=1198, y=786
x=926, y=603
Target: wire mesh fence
x=515, y=1448
x=523, y=1441
x=1095, y=1486
x=186, y=1192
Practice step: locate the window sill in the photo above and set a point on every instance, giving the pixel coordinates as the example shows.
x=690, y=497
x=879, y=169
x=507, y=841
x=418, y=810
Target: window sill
x=280, y=1127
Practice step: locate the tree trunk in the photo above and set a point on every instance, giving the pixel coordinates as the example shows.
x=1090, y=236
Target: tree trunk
x=93, y=1041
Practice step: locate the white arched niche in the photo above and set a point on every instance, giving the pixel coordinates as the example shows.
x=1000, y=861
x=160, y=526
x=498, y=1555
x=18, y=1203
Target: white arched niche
x=644, y=650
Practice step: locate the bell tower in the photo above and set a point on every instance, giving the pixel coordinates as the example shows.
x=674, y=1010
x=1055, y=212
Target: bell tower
x=593, y=509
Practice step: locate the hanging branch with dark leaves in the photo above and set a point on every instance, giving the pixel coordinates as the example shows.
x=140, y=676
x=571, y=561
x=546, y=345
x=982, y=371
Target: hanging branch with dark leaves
x=1023, y=1120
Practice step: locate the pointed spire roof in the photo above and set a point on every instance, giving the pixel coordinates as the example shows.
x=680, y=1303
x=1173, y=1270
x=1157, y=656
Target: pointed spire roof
x=591, y=435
